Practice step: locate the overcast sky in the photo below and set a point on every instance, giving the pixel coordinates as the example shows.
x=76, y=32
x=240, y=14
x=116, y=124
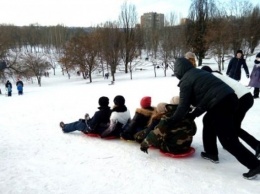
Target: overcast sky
x=82, y=13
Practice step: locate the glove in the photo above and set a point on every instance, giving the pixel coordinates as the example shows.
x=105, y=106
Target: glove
x=144, y=147
x=191, y=116
x=247, y=75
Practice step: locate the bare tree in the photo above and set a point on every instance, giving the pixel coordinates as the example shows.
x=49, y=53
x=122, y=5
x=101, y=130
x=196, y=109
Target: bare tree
x=254, y=28
x=128, y=21
x=34, y=64
x=218, y=38
x=238, y=25
x=201, y=11
x=111, y=38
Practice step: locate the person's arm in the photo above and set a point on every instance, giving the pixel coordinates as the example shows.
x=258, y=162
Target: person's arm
x=184, y=105
x=229, y=66
x=246, y=69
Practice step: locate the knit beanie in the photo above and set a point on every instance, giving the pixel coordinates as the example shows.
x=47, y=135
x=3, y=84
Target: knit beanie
x=161, y=107
x=175, y=100
x=119, y=100
x=258, y=55
x=146, y=102
x=206, y=68
x=103, y=101
x=240, y=51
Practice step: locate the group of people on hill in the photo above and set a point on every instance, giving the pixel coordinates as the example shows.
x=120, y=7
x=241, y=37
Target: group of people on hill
x=170, y=127
x=8, y=87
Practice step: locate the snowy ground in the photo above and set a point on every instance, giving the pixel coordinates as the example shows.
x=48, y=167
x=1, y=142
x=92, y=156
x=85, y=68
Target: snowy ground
x=36, y=157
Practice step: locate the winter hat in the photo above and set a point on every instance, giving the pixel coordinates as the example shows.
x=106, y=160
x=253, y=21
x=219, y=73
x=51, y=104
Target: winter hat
x=206, y=68
x=175, y=100
x=240, y=51
x=146, y=102
x=103, y=101
x=189, y=55
x=258, y=55
x=119, y=100
x=161, y=107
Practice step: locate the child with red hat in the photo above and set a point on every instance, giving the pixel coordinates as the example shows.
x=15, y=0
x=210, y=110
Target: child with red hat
x=140, y=119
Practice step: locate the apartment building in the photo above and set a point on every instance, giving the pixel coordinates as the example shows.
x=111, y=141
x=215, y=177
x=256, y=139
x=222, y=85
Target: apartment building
x=152, y=20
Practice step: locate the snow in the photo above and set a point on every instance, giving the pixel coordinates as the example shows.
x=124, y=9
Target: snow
x=36, y=157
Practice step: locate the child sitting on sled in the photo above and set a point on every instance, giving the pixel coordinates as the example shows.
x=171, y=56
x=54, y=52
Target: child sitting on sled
x=174, y=139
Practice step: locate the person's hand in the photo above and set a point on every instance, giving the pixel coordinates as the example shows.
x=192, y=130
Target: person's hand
x=247, y=75
x=191, y=116
x=144, y=147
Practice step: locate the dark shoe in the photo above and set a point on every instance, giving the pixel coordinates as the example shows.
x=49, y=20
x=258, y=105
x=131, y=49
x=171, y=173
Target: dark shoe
x=211, y=157
x=85, y=131
x=62, y=125
x=252, y=173
x=257, y=151
x=256, y=97
x=127, y=136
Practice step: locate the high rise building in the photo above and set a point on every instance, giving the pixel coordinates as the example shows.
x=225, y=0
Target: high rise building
x=152, y=20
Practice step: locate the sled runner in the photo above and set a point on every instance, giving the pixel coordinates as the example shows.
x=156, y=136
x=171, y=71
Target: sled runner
x=182, y=155
x=98, y=136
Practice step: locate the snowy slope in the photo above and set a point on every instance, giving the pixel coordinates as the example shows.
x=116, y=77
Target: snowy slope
x=36, y=157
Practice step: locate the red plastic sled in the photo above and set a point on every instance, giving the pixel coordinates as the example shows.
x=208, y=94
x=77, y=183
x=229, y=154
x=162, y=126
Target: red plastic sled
x=183, y=155
x=92, y=134
x=97, y=135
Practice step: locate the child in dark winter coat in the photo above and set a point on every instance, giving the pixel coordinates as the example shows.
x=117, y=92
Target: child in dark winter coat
x=255, y=76
x=235, y=64
x=140, y=119
x=175, y=140
x=97, y=124
x=159, y=113
x=8, y=87
x=120, y=117
x=19, y=85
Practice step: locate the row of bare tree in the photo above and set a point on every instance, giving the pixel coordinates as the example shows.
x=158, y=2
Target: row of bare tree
x=209, y=30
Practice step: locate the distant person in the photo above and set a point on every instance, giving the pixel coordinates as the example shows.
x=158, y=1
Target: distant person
x=8, y=87
x=140, y=119
x=255, y=76
x=19, y=85
x=235, y=65
x=211, y=95
x=106, y=75
x=246, y=101
x=96, y=124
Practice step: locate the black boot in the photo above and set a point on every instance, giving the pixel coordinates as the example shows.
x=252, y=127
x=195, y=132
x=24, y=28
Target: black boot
x=251, y=174
x=62, y=125
x=256, y=93
x=213, y=158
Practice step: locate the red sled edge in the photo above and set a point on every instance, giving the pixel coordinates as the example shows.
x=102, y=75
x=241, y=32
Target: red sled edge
x=183, y=155
x=92, y=134
x=97, y=135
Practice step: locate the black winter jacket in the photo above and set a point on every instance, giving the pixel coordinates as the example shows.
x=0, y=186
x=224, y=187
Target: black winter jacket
x=198, y=88
x=234, y=68
x=140, y=120
x=100, y=120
